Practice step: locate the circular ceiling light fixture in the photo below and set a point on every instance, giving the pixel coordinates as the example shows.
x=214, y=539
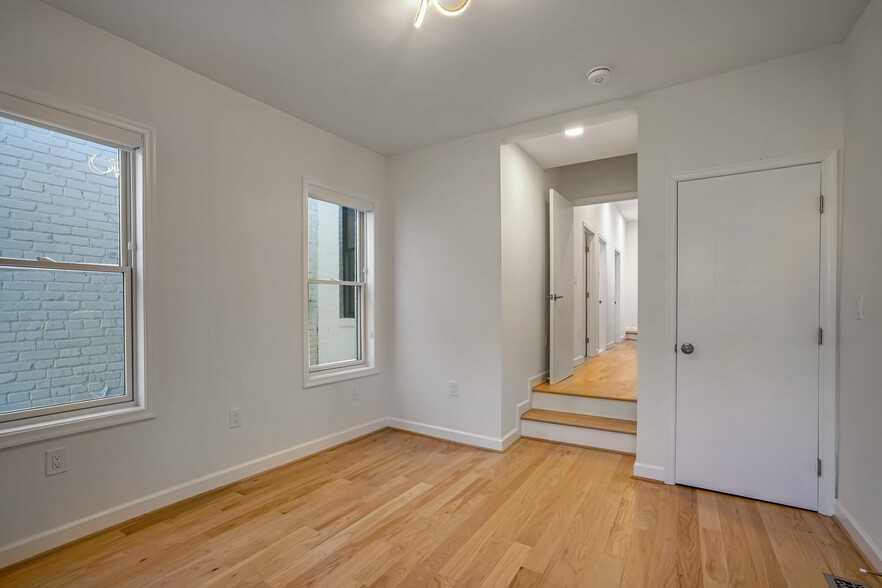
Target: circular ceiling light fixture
x=574, y=132
x=598, y=75
x=442, y=7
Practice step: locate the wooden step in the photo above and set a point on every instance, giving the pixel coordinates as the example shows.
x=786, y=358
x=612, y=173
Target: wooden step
x=583, y=421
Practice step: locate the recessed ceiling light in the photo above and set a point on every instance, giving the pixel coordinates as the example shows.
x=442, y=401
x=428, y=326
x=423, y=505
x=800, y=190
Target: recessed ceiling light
x=598, y=75
x=574, y=132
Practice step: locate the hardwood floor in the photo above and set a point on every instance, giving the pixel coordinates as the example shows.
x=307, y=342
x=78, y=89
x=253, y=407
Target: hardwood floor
x=612, y=374
x=396, y=509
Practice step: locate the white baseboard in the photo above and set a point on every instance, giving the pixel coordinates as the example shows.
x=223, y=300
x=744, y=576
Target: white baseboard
x=482, y=441
x=40, y=542
x=524, y=407
x=577, y=361
x=649, y=472
x=509, y=438
x=537, y=379
x=866, y=544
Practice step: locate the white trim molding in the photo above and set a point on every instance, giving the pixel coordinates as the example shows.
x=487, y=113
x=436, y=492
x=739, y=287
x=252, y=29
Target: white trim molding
x=51, y=538
x=827, y=393
x=861, y=538
x=649, y=472
x=455, y=435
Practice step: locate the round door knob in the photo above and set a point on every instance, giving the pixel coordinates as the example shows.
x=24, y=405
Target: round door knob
x=687, y=348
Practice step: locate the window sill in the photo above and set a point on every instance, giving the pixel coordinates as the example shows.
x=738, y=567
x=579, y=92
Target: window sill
x=64, y=425
x=312, y=379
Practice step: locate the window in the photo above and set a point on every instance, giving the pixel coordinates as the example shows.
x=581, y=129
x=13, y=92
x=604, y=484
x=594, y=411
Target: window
x=339, y=317
x=68, y=268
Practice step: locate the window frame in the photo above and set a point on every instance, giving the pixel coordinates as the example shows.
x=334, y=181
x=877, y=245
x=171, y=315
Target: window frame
x=349, y=369
x=136, y=145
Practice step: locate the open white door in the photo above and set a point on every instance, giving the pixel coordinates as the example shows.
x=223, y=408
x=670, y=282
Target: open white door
x=748, y=275
x=560, y=299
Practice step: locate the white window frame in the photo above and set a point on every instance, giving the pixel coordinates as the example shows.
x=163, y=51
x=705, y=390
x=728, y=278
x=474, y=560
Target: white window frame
x=135, y=143
x=345, y=370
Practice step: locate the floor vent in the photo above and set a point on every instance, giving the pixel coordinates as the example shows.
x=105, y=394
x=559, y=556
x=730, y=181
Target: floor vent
x=837, y=582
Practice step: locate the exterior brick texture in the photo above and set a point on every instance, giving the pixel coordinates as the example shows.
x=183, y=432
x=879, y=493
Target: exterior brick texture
x=61, y=332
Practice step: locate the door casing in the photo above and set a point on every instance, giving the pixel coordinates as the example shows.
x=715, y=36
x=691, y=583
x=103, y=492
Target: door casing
x=827, y=424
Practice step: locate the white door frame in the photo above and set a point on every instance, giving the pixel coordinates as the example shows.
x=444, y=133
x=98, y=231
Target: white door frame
x=602, y=291
x=589, y=293
x=827, y=383
x=617, y=296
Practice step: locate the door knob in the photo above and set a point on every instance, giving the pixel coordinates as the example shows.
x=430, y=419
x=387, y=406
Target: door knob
x=554, y=297
x=687, y=348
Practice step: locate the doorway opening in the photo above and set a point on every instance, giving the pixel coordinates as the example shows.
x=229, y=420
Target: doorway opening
x=589, y=184
x=593, y=180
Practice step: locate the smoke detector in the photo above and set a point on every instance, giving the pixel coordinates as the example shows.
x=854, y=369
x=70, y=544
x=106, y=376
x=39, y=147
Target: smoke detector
x=598, y=75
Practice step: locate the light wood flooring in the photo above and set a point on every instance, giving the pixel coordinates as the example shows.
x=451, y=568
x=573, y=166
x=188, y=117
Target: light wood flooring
x=612, y=374
x=396, y=509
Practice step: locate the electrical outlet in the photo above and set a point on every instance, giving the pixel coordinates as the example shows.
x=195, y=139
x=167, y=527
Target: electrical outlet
x=235, y=418
x=56, y=461
x=354, y=392
x=454, y=388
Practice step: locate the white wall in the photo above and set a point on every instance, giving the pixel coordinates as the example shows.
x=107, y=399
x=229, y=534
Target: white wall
x=524, y=277
x=447, y=296
x=860, y=384
x=629, y=277
x=773, y=109
x=607, y=224
x=225, y=291
x=614, y=175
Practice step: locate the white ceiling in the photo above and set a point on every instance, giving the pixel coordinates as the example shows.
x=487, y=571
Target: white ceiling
x=360, y=69
x=599, y=141
x=628, y=210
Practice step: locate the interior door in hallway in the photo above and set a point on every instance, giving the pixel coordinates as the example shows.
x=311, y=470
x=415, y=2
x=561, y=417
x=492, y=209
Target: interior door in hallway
x=561, y=309
x=748, y=295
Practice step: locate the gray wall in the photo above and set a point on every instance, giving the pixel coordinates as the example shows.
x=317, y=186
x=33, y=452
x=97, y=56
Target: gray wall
x=614, y=175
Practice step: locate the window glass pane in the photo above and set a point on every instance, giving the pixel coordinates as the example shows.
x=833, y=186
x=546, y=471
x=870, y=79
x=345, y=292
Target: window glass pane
x=332, y=338
x=59, y=196
x=333, y=239
x=61, y=337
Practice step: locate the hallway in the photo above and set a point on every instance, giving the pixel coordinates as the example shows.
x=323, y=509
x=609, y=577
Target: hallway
x=612, y=375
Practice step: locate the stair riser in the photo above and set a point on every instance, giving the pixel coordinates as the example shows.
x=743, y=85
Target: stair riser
x=621, y=442
x=616, y=409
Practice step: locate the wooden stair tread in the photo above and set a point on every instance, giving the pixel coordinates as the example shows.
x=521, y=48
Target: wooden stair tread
x=546, y=389
x=584, y=421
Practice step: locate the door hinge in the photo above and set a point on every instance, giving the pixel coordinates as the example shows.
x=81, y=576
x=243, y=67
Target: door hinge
x=820, y=336
x=587, y=340
x=819, y=468
x=822, y=204
x=587, y=295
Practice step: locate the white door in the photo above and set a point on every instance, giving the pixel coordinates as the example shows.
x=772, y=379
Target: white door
x=602, y=292
x=748, y=305
x=560, y=298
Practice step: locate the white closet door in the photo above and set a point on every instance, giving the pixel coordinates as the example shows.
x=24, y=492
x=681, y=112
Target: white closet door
x=748, y=304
